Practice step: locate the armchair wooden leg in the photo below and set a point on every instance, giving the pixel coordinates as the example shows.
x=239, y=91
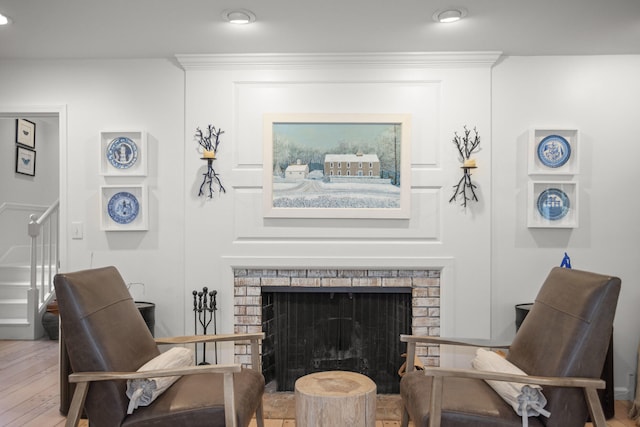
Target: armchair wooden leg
x=405, y=418
x=260, y=415
x=595, y=408
x=435, y=406
x=77, y=403
x=229, y=401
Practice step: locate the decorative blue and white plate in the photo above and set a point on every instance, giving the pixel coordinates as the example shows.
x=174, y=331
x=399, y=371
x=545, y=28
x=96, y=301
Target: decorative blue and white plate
x=553, y=204
x=123, y=207
x=122, y=152
x=554, y=151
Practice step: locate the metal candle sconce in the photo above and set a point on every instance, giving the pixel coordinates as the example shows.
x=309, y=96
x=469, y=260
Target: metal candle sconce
x=466, y=146
x=204, y=312
x=209, y=144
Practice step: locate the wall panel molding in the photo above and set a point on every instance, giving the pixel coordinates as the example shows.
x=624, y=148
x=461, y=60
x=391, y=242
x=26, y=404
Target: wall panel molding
x=338, y=60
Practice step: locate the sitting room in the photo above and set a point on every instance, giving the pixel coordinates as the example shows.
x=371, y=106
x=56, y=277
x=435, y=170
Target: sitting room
x=316, y=187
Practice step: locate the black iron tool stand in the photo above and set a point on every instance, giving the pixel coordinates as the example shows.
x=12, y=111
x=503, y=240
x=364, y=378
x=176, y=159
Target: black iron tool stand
x=204, y=312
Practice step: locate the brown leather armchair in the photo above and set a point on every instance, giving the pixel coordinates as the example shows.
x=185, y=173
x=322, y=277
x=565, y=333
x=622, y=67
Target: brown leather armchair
x=561, y=344
x=107, y=340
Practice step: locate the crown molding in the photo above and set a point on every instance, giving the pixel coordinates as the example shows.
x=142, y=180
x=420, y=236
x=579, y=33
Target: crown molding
x=339, y=60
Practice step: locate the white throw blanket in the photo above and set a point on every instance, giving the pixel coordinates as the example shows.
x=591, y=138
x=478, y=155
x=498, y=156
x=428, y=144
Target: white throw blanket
x=144, y=391
x=526, y=399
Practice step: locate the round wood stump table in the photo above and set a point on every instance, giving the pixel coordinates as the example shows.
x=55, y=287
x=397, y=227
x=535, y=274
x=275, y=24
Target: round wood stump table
x=335, y=398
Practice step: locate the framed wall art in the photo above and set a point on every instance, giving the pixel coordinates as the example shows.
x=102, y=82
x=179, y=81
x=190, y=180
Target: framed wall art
x=123, y=153
x=26, y=133
x=553, y=152
x=25, y=161
x=336, y=166
x=553, y=204
x=123, y=208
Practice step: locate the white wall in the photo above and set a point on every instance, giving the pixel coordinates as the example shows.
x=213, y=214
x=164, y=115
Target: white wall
x=441, y=95
x=117, y=95
x=42, y=188
x=599, y=96
x=495, y=260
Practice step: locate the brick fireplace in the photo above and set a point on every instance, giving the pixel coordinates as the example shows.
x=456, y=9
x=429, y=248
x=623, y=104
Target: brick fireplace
x=422, y=284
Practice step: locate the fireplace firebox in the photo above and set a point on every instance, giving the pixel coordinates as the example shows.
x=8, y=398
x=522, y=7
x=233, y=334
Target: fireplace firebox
x=337, y=329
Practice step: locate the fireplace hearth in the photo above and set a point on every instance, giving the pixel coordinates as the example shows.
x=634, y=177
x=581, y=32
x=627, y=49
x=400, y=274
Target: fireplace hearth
x=319, y=320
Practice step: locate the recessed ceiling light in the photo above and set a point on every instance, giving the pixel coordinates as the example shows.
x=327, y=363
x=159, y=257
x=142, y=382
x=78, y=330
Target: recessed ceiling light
x=4, y=20
x=239, y=16
x=447, y=16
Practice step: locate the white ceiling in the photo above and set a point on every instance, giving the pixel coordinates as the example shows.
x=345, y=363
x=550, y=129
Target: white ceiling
x=163, y=28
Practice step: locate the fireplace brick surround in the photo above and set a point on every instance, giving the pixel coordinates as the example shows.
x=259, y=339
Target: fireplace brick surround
x=424, y=284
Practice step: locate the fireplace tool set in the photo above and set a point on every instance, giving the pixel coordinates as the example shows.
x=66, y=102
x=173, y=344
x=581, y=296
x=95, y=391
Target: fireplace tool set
x=204, y=312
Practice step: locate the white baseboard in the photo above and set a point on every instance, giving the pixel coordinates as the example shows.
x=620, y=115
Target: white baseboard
x=622, y=393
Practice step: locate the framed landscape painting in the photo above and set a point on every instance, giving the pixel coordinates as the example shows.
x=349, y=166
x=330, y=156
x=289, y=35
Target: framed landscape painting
x=336, y=165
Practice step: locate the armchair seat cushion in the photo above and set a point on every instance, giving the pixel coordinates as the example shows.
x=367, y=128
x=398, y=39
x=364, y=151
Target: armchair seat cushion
x=465, y=402
x=184, y=402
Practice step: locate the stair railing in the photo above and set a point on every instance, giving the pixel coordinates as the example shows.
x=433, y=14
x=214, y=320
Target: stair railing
x=45, y=256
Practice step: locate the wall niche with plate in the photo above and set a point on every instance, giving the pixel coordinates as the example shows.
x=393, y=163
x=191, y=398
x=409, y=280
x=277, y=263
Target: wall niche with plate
x=123, y=153
x=553, y=204
x=553, y=152
x=123, y=208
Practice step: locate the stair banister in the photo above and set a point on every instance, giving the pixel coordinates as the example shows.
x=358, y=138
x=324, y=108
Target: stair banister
x=48, y=261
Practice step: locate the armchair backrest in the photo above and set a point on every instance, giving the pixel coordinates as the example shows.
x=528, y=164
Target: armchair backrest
x=103, y=331
x=566, y=333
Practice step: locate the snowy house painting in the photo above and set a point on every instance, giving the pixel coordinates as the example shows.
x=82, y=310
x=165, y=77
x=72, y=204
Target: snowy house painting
x=336, y=166
x=296, y=171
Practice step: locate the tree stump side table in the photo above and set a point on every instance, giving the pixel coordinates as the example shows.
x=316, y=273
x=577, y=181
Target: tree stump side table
x=335, y=398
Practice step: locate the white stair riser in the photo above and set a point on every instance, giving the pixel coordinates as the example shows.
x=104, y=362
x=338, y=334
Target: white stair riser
x=13, y=309
x=13, y=290
x=11, y=273
x=18, y=332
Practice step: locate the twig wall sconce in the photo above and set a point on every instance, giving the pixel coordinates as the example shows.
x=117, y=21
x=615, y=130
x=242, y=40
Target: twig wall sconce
x=466, y=145
x=209, y=144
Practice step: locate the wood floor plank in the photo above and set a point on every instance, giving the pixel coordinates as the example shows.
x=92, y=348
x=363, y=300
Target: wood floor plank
x=30, y=391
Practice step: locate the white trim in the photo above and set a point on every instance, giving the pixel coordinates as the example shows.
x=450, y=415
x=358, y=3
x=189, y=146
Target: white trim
x=445, y=264
x=346, y=60
x=48, y=111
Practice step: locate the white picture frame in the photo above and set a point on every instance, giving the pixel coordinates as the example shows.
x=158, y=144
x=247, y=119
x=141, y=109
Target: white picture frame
x=124, y=208
x=559, y=161
x=123, y=153
x=319, y=134
x=553, y=204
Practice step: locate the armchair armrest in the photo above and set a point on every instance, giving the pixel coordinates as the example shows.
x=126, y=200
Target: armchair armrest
x=84, y=379
x=253, y=338
x=580, y=382
x=412, y=340
x=78, y=377
x=469, y=342
x=189, y=339
x=588, y=384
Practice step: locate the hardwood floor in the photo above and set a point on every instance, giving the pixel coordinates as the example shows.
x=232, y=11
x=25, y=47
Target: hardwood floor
x=29, y=392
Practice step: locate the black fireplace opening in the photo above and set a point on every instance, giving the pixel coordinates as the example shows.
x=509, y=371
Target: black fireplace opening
x=310, y=331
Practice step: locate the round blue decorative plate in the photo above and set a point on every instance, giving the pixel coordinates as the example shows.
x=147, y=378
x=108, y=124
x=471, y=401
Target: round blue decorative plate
x=122, y=152
x=554, y=151
x=123, y=207
x=553, y=204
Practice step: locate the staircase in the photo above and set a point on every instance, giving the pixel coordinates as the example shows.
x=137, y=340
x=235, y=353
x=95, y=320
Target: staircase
x=26, y=274
x=15, y=282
